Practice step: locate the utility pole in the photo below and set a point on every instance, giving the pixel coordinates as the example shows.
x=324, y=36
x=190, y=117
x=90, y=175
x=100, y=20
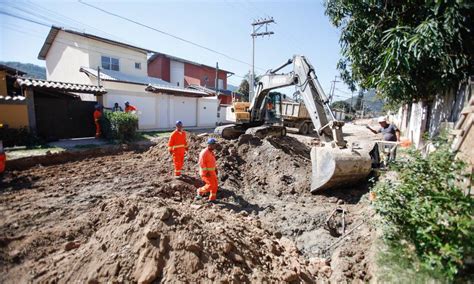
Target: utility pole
x=256, y=26
x=352, y=96
x=333, y=87
x=217, y=79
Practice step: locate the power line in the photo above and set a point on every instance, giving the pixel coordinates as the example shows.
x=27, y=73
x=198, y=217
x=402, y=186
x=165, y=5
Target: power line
x=49, y=26
x=35, y=6
x=20, y=30
x=25, y=19
x=166, y=33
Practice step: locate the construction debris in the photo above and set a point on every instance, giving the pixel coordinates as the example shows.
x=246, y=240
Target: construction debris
x=123, y=218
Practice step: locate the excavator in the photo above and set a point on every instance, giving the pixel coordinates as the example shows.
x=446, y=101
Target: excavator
x=334, y=162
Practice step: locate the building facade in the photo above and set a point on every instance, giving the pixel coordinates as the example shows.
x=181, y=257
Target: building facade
x=122, y=69
x=182, y=72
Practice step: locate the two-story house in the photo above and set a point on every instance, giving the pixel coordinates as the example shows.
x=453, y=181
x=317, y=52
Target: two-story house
x=187, y=73
x=122, y=69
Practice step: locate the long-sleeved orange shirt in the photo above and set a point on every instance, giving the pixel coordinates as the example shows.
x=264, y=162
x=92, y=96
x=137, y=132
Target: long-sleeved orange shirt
x=207, y=161
x=177, y=140
x=130, y=108
x=97, y=115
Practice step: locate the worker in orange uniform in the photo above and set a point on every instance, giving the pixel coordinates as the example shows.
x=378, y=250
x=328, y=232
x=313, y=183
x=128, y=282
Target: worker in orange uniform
x=208, y=171
x=178, y=146
x=97, y=116
x=3, y=157
x=129, y=107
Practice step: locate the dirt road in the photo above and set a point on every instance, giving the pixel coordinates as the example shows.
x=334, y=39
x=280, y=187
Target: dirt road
x=123, y=218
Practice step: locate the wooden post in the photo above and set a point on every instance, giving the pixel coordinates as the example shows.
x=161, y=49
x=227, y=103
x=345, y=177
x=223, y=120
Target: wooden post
x=30, y=104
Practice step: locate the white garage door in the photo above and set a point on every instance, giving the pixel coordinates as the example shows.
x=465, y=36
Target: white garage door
x=184, y=109
x=144, y=104
x=163, y=107
x=207, y=111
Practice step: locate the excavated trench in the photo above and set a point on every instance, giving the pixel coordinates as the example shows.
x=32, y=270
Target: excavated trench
x=123, y=218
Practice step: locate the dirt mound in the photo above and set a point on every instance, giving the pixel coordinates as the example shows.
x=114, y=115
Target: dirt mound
x=124, y=218
x=146, y=240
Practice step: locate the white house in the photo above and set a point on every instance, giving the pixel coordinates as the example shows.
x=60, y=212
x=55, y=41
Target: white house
x=77, y=57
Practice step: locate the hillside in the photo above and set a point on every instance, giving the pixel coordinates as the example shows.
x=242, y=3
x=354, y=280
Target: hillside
x=32, y=70
x=370, y=100
x=232, y=88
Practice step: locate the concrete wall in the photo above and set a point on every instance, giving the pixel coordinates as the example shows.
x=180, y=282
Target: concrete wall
x=159, y=111
x=225, y=99
x=177, y=73
x=429, y=118
x=69, y=52
x=14, y=115
x=225, y=114
x=196, y=75
x=161, y=67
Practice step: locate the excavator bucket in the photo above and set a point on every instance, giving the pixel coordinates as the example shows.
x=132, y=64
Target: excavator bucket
x=334, y=167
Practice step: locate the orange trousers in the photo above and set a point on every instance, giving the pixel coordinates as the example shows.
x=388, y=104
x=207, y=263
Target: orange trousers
x=210, y=186
x=178, y=160
x=97, y=130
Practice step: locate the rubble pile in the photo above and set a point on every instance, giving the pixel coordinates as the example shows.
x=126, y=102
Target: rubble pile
x=123, y=218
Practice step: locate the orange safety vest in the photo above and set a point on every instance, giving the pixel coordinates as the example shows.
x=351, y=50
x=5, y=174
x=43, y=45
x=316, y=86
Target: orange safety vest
x=130, y=108
x=207, y=161
x=270, y=106
x=97, y=115
x=177, y=140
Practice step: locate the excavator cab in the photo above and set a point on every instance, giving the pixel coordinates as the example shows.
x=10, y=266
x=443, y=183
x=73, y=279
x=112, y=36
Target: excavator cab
x=273, y=109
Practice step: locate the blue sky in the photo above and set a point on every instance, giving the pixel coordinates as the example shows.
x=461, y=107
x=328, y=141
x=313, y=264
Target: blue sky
x=301, y=28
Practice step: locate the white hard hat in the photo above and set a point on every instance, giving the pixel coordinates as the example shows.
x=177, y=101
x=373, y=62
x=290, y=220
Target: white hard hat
x=382, y=119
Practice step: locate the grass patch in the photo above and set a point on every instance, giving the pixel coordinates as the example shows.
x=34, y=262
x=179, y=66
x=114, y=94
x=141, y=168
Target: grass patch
x=396, y=264
x=23, y=152
x=150, y=135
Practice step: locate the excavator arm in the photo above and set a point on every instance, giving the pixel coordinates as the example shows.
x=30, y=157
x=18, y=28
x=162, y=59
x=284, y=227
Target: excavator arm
x=333, y=163
x=314, y=98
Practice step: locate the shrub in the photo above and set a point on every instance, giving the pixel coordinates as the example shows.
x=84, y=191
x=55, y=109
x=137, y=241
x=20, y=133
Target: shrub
x=17, y=137
x=426, y=209
x=119, y=125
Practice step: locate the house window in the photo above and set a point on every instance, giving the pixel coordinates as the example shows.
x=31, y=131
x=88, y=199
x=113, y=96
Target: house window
x=138, y=65
x=110, y=63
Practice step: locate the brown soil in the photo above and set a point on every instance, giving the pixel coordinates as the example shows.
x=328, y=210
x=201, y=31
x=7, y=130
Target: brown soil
x=123, y=218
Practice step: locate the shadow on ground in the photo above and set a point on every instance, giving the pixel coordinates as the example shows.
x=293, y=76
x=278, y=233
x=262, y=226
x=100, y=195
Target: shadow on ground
x=239, y=204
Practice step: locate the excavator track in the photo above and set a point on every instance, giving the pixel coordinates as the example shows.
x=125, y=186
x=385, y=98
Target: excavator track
x=230, y=131
x=267, y=130
x=233, y=131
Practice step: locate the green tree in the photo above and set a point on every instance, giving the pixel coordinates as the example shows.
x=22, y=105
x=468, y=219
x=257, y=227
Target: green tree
x=358, y=104
x=342, y=105
x=406, y=50
x=244, y=86
x=244, y=89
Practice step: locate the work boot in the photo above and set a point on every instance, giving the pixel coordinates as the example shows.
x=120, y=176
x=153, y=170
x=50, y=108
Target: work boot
x=198, y=197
